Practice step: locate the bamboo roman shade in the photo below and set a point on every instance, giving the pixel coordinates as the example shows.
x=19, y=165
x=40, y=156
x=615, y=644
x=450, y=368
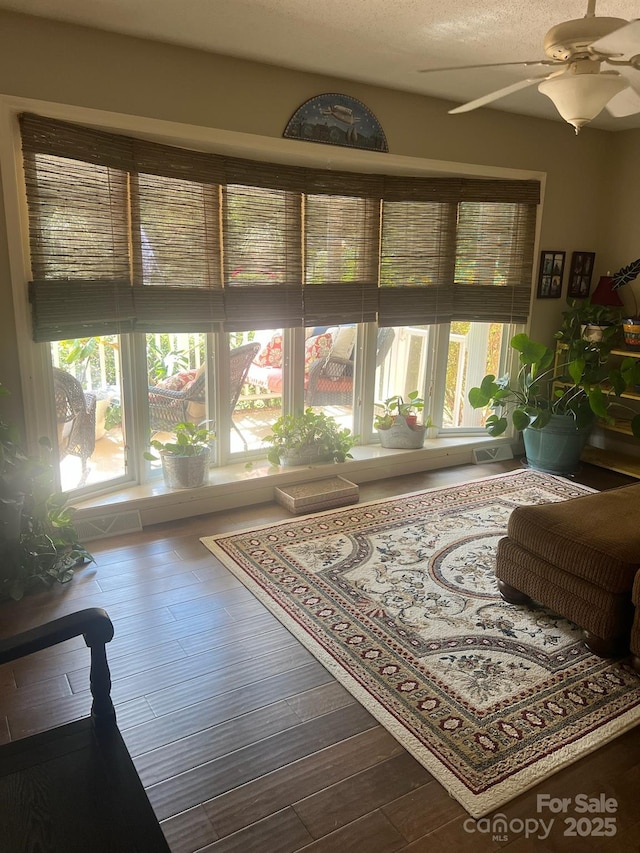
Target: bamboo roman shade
x=456, y=249
x=131, y=235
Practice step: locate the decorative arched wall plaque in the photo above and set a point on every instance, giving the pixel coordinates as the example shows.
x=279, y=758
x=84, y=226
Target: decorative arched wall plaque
x=334, y=119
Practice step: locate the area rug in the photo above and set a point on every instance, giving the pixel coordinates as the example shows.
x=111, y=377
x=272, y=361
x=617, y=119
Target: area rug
x=397, y=599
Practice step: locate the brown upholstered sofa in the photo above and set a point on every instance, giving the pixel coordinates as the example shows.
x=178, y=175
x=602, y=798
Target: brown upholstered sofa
x=579, y=558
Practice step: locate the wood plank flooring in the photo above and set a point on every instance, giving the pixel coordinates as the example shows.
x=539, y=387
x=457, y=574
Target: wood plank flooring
x=243, y=741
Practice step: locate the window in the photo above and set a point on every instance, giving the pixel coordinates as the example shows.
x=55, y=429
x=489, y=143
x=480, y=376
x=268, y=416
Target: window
x=475, y=349
x=177, y=382
x=401, y=363
x=195, y=262
x=90, y=429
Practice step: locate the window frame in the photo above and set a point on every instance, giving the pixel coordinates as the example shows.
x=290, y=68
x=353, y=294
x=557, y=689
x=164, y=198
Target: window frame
x=33, y=359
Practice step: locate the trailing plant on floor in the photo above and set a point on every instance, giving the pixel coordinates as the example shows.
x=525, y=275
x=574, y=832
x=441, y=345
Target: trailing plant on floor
x=38, y=542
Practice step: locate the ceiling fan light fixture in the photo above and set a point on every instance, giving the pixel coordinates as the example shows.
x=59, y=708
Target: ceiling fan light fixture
x=580, y=97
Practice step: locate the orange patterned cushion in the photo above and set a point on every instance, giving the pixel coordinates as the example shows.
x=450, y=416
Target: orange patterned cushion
x=318, y=346
x=178, y=381
x=271, y=354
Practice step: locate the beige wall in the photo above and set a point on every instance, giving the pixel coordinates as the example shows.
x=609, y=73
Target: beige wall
x=621, y=211
x=73, y=65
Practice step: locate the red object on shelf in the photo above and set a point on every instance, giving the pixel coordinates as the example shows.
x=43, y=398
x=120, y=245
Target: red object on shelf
x=604, y=294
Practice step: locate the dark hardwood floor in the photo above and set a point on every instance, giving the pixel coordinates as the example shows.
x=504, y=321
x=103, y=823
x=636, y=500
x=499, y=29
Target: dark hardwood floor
x=243, y=741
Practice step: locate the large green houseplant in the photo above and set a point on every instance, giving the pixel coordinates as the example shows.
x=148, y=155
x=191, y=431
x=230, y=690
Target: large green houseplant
x=307, y=438
x=38, y=542
x=555, y=403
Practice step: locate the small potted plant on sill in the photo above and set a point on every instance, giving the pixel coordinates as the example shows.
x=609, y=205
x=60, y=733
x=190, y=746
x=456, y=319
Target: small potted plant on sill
x=397, y=424
x=309, y=438
x=185, y=460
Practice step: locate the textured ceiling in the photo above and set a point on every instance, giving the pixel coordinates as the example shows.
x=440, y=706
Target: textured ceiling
x=383, y=42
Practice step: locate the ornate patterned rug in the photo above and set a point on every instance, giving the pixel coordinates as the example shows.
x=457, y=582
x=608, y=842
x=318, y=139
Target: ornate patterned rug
x=397, y=598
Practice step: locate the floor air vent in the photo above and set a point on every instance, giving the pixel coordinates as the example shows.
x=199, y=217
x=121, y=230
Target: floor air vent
x=102, y=526
x=492, y=454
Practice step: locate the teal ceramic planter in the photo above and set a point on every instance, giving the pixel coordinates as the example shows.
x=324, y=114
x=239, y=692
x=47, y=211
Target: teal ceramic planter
x=556, y=448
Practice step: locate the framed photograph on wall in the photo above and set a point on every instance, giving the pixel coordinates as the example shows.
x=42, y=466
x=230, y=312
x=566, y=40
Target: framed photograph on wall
x=580, y=274
x=550, y=275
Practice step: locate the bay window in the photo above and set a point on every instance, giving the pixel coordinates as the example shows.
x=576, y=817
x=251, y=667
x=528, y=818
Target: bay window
x=240, y=290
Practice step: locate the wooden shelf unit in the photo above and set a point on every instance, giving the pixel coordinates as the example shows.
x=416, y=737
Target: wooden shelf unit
x=611, y=460
x=616, y=459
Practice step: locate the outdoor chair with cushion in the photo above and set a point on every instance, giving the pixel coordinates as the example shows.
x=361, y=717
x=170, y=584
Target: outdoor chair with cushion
x=74, y=788
x=177, y=399
x=329, y=364
x=181, y=398
x=330, y=380
x=76, y=417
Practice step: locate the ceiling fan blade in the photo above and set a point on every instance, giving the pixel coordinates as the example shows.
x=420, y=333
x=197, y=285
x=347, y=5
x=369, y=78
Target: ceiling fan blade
x=625, y=103
x=500, y=93
x=630, y=74
x=622, y=42
x=493, y=65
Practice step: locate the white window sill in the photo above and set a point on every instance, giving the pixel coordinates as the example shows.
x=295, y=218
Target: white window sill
x=236, y=485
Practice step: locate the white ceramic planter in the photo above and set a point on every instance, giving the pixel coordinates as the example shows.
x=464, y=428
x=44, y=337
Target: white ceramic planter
x=400, y=436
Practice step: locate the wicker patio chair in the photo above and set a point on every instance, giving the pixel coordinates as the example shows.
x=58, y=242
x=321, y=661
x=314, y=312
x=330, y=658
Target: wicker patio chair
x=76, y=417
x=330, y=380
x=168, y=408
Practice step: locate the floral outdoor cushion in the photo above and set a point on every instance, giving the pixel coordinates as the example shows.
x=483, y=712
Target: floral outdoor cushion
x=271, y=354
x=317, y=346
x=178, y=381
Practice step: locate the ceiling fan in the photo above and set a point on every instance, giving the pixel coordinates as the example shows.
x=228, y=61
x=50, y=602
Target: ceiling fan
x=578, y=86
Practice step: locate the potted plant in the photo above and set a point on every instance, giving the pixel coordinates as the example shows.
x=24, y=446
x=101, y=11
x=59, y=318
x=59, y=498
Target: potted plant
x=397, y=424
x=630, y=325
x=595, y=323
x=38, y=542
x=555, y=404
x=308, y=438
x=185, y=459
